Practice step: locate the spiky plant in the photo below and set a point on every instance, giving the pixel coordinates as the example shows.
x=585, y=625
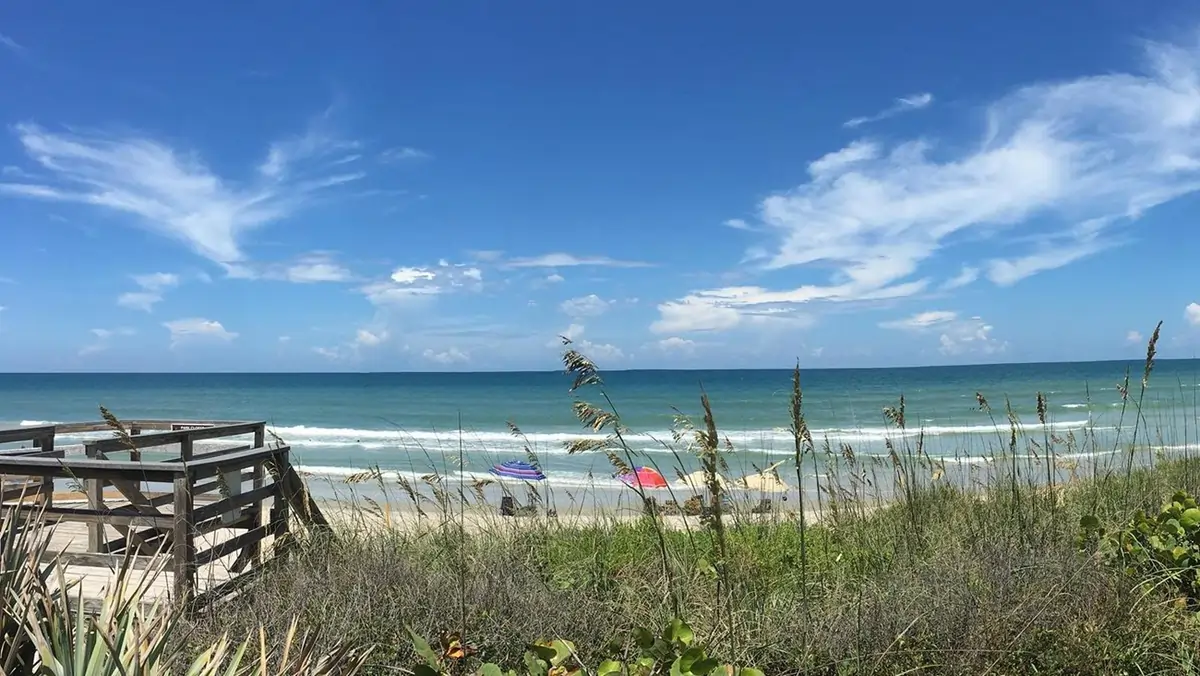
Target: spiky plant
x=46, y=630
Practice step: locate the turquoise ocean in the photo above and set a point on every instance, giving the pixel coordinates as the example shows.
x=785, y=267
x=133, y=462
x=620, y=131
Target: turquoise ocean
x=413, y=423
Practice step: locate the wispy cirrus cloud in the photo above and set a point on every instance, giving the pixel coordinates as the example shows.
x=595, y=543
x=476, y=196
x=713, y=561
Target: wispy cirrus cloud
x=104, y=339
x=174, y=193
x=152, y=287
x=403, y=154
x=566, y=260
x=1064, y=165
x=901, y=105
x=11, y=45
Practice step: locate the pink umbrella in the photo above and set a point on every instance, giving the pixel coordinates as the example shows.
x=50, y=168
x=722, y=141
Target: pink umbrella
x=646, y=477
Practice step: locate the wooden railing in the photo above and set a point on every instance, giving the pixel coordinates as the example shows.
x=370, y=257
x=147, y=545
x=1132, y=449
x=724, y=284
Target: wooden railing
x=245, y=478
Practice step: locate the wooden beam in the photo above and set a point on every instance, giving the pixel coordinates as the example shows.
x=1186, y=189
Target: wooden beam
x=213, y=454
x=219, y=507
x=107, y=516
x=25, y=434
x=234, y=544
x=88, y=468
x=178, y=436
x=183, y=550
x=112, y=561
x=226, y=463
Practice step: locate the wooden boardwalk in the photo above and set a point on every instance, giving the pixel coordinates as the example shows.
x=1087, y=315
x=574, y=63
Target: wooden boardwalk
x=199, y=523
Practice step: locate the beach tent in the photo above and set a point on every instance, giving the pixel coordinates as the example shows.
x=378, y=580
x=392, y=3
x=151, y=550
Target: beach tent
x=766, y=481
x=646, y=477
x=516, y=469
x=696, y=481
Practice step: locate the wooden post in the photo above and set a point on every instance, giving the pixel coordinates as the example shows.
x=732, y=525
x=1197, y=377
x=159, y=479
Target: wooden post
x=135, y=454
x=184, y=547
x=260, y=436
x=280, y=514
x=185, y=447
x=95, y=499
x=257, y=509
x=48, y=481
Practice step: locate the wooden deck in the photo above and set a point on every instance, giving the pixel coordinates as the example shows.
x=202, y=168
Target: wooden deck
x=194, y=527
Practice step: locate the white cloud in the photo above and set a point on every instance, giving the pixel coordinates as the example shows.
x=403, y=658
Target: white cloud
x=197, y=329
x=738, y=224
x=565, y=260
x=285, y=339
x=153, y=286
x=331, y=353
x=554, y=279
x=412, y=275
x=677, y=344
x=725, y=308
x=694, y=314
x=969, y=336
x=601, y=351
x=956, y=335
x=922, y=320
x=590, y=305
x=451, y=355
x=316, y=268
x=104, y=339
x=901, y=105
x=11, y=44
x=139, y=300
x=1192, y=314
x=367, y=338
x=1063, y=165
x=967, y=276
x=403, y=154
x=473, y=273
x=1134, y=337
x=173, y=193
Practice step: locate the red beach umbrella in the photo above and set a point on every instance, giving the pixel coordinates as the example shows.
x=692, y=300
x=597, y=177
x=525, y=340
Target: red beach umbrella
x=646, y=477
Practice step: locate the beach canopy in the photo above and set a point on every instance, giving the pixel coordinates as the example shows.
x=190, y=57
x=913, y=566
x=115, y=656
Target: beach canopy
x=697, y=482
x=766, y=481
x=516, y=469
x=646, y=477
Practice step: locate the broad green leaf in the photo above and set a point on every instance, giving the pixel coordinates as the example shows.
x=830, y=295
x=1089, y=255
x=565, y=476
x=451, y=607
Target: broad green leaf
x=421, y=647
x=490, y=669
x=609, y=668
x=1190, y=518
x=750, y=671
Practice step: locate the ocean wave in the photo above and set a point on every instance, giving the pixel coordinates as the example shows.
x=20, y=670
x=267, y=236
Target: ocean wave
x=761, y=440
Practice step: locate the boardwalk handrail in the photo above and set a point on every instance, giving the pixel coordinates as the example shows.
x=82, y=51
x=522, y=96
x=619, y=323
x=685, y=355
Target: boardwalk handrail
x=140, y=441
x=27, y=434
x=249, y=477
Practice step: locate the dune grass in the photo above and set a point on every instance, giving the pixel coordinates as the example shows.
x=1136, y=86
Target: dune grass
x=991, y=576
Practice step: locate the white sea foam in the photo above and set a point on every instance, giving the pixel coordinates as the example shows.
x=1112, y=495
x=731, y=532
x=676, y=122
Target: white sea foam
x=761, y=440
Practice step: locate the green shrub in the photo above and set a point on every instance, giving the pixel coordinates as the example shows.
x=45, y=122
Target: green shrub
x=1164, y=547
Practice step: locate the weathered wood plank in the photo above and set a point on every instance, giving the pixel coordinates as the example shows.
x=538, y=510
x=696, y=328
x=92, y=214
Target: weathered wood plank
x=213, y=454
x=178, y=436
x=87, y=468
x=229, y=504
x=14, y=435
x=109, y=517
x=184, y=547
x=112, y=561
x=234, y=544
x=210, y=486
x=202, y=469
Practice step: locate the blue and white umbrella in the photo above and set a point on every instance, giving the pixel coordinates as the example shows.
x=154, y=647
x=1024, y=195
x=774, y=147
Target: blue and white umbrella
x=515, y=469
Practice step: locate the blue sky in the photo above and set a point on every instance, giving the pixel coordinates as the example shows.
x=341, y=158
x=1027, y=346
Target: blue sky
x=450, y=186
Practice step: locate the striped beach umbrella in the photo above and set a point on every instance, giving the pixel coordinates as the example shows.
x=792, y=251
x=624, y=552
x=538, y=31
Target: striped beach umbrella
x=646, y=477
x=516, y=469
